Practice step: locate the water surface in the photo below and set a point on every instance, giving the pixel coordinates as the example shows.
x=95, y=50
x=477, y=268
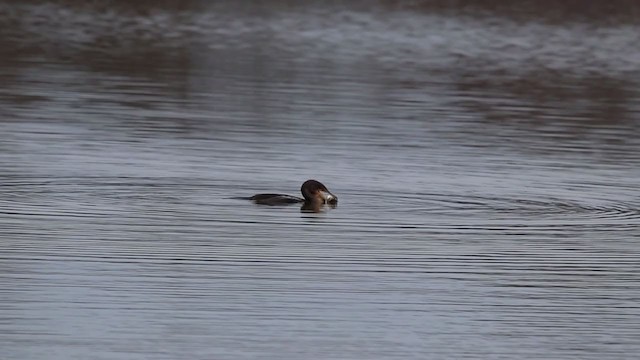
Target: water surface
x=485, y=157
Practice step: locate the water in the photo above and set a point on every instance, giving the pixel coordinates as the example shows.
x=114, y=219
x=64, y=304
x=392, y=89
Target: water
x=485, y=158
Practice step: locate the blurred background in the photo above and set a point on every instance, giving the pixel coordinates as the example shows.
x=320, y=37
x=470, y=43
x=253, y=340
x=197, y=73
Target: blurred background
x=485, y=154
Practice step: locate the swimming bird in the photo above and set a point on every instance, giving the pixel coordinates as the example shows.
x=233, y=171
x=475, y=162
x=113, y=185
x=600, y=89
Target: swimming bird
x=313, y=191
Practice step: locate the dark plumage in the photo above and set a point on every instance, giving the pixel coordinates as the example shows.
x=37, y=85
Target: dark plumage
x=314, y=193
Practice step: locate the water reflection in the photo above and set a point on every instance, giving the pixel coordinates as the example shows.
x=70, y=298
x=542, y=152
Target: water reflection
x=485, y=157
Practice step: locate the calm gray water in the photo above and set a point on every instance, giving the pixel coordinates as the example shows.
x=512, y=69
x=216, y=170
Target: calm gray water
x=486, y=157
